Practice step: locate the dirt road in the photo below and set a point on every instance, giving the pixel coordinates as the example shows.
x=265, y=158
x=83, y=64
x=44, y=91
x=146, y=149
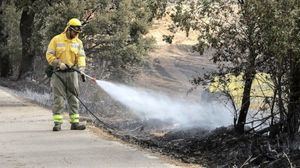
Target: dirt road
x=27, y=140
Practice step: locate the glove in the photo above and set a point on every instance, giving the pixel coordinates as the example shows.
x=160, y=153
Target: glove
x=56, y=63
x=83, y=78
x=62, y=66
x=81, y=70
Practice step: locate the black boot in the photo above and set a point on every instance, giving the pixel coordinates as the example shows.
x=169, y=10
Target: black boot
x=57, y=127
x=77, y=126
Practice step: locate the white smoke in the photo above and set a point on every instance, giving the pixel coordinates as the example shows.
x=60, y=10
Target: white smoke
x=153, y=105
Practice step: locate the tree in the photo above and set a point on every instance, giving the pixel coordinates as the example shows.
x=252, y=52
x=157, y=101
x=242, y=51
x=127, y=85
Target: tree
x=29, y=31
x=249, y=37
x=279, y=27
x=113, y=31
x=230, y=28
x=5, y=64
x=157, y=8
x=26, y=31
x=113, y=34
x=250, y=41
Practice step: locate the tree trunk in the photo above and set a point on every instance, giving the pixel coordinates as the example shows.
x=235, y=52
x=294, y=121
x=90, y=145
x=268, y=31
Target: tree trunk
x=250, y=71
x=5, y=65
x=292, y=123
x=240, y=127
x=249, y=76
x=26, y=30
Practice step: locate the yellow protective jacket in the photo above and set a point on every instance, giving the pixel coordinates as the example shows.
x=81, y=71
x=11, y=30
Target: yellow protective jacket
x=68, y=51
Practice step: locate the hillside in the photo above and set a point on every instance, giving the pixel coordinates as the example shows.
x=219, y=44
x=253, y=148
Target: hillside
x=172, y=66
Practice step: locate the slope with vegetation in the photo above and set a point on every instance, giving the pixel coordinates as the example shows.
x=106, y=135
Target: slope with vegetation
x=242, y=38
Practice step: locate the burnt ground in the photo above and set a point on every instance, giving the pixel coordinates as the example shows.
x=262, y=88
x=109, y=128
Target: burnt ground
x=221, y=147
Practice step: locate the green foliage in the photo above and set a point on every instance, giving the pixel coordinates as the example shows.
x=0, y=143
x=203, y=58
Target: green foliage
x=157, y=7
x=113, y=37
x=249, y=37
x=55, y=18
x=11, y=19
x=168, y=39
x=113, y=32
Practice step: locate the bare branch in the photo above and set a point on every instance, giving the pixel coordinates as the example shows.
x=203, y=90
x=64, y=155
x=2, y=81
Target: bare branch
x=90, y=15
x=288, y=159
x=245, y=163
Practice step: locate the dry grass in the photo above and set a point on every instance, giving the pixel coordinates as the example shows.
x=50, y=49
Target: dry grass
x=160, y=28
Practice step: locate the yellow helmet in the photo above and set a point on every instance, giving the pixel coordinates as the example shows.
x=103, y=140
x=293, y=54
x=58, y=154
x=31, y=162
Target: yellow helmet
x=74, y=24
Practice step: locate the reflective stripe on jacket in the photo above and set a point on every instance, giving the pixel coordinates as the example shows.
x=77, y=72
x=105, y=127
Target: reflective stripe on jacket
x=68, y=51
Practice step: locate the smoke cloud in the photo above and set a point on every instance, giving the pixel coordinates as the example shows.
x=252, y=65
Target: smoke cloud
x=153, y=105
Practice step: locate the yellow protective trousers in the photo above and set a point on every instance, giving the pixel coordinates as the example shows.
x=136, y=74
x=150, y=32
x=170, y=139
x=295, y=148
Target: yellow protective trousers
x=65, y=88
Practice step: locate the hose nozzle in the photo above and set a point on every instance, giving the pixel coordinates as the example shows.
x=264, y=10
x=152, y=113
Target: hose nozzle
x=84, y=76
x=88, y=76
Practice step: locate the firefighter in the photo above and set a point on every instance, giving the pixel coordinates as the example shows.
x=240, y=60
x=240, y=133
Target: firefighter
x=65, y=52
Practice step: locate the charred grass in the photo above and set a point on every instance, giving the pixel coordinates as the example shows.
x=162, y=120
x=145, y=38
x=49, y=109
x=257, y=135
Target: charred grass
x=221, y=147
